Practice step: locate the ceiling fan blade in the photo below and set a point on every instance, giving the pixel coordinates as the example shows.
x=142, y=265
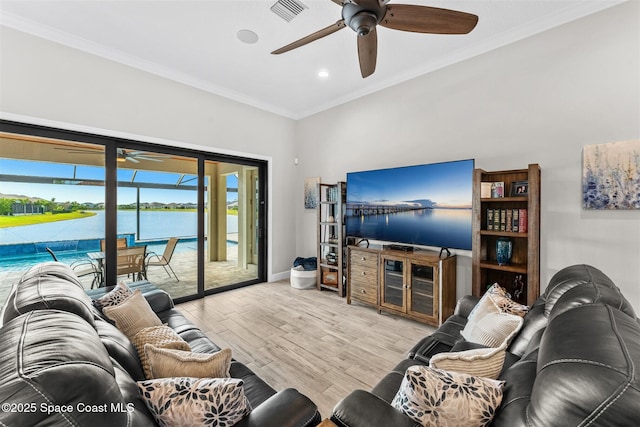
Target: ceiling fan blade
x=425, y=19
x=338, y=2
x=151, y=159
x=312, y=37
x=368, y=52
x=131, y=159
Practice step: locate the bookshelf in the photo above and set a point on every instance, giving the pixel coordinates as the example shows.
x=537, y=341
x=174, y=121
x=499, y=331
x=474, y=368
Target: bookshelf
x=512, y=214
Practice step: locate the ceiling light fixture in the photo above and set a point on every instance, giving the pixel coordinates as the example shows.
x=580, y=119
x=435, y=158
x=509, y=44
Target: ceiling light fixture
x=323, y=74
x=247, y=36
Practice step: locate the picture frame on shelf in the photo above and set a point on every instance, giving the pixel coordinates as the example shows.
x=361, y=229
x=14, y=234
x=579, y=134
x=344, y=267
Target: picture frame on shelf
x=485, y=190
x=519, y=189
x=497, y=190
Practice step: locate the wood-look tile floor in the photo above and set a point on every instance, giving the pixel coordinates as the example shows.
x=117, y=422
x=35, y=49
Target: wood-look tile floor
x=310, y=340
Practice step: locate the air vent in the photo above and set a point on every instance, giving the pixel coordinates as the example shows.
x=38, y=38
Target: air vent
x=288, y=9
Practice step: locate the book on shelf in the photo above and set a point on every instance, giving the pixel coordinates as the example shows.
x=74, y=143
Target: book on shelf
x=511, y=220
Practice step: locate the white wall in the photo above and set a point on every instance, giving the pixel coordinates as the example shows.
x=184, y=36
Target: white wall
x=540, y=100
x=48, y=81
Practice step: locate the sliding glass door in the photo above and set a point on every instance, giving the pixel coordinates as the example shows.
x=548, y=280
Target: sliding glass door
x=158, y=209
x=231, y=250
x=199, y=216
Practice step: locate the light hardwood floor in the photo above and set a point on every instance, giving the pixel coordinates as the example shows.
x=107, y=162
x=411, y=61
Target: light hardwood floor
x=310, y=340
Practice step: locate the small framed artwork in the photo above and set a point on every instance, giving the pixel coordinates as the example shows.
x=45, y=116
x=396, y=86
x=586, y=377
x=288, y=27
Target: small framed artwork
x=311, y=192
x=497, y=190
x=519, y=188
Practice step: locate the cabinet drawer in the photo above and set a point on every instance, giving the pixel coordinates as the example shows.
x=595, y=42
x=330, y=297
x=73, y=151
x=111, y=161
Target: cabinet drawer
x=363, y=260
x=366, y=294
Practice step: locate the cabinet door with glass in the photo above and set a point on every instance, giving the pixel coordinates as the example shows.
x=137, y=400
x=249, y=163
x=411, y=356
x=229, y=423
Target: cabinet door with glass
x=393, y=284
x=422, y=290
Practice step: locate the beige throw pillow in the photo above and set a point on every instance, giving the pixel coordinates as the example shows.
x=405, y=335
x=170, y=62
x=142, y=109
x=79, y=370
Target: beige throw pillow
x=165, y=362
x=160, y=337
x=479, y=362
x=132, y=314
x=493, y=330
x=489, y=326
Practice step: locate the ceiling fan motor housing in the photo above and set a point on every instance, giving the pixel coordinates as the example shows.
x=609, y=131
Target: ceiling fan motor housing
x=364, y=16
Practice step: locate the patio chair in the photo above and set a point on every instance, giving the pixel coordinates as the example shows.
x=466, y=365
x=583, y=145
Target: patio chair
x=82, y=268
x=131, y=262
x=153, y=259
x=120, y=243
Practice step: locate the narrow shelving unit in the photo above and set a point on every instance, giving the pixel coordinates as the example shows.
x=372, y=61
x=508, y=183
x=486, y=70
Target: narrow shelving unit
x=331, y=258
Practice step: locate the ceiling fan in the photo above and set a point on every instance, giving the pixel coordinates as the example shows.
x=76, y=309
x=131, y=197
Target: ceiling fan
x=123, y=155
x=362, y=16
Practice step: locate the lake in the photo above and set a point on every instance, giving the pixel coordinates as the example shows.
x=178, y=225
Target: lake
x=450, y=228
x=153, y=225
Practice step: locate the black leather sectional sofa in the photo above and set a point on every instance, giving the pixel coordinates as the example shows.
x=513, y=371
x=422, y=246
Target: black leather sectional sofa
x=575, y=362
x=63, y=363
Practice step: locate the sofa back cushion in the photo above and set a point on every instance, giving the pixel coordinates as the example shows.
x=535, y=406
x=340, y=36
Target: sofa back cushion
x=570, y=277
x=68, y=380
x=49, y=285
x=580, y=370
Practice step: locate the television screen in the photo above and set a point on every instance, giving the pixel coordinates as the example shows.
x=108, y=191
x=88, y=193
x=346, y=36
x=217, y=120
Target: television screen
x=426, y=205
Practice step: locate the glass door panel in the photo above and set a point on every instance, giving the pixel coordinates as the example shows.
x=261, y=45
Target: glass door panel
x=51, y=197
x=157, y=209
x=422, y=286
x=231, y=224
x=393, y=283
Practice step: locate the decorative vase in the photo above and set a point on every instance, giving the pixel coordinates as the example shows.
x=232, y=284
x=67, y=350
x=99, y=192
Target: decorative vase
x=504, y=250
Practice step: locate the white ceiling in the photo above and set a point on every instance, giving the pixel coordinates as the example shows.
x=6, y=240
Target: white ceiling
x=194, y=42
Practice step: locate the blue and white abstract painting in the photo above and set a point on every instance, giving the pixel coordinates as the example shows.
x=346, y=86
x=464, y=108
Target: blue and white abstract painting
x=611, y=176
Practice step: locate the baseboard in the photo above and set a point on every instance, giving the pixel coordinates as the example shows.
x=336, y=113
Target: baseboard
x=280, y=276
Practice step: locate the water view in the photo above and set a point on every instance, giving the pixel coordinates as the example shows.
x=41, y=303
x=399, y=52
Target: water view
x=439, y=227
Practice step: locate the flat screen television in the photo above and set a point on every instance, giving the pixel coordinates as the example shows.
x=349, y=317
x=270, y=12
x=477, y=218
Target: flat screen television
x=424, y=205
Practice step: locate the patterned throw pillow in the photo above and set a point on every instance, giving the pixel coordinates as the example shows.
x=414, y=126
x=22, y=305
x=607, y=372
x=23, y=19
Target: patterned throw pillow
x=166, y=362
x=503, y=300
x=433, y=397
x=132, y=314
x=114, y=297
x=177, y=402
x=160, y=337
x=479, y=362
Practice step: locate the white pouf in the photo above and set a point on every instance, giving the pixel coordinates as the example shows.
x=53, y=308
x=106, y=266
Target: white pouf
x=303, y=279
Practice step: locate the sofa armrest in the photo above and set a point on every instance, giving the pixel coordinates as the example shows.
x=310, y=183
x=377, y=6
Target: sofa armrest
x=159, y=300
x=363, y=409
x=287, y=408
x=465, y=305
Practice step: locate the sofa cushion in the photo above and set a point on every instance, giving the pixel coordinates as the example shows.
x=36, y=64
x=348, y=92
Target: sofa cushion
x=570, y=277
x=166, y=362
x=50, y=285
x=176, y=402
x=533, y=321
x=480, y=362
x=132, y=315
x=120, y=348
x=436, y=397
x=159, y=336
x=55, y=360
x=591, y=293
x=588, y=369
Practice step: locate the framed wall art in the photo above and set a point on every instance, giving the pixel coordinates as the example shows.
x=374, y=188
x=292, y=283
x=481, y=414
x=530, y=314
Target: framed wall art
x=611, y=176
x=311, y=192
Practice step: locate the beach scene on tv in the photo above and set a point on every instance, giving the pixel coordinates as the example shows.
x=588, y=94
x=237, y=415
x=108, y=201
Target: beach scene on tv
x=425, y=205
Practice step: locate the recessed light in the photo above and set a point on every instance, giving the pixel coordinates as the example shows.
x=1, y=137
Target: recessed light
x=247, y=36
x=323, y=74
